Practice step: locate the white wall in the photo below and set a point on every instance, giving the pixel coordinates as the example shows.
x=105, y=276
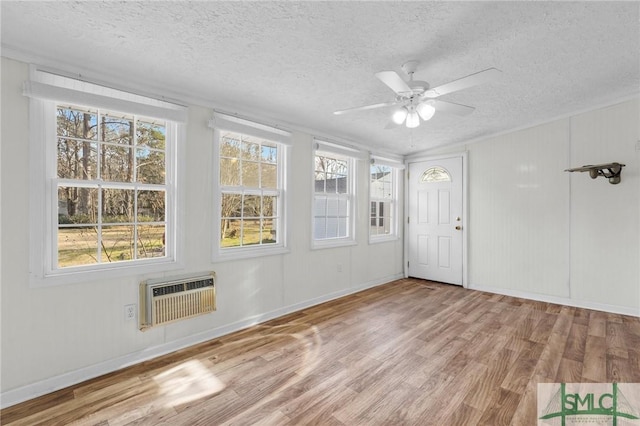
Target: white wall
x=56, y=336
x=536, y=231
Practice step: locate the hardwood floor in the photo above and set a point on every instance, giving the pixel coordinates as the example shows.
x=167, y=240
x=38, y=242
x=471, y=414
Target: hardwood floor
x=410, y=352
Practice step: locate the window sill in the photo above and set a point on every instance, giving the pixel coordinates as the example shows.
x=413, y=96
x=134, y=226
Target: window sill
x=237, y=253
x=108, y=271
x=383, y=239
x=332, y=243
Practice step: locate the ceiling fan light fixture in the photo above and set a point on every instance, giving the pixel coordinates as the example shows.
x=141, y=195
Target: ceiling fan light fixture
x=425, y=110
x=399, y=115
x=413, y=120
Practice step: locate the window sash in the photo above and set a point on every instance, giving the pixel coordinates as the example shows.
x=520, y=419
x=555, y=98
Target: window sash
x=388, y=217
x=329, y=228
x=276, y=225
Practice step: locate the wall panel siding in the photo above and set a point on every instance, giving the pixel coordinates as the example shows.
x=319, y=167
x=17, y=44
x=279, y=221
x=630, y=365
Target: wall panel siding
x=519, y=204
x=604, y=217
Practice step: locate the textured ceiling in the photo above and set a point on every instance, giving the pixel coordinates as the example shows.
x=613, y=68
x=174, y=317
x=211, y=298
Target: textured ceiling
x=296, y=62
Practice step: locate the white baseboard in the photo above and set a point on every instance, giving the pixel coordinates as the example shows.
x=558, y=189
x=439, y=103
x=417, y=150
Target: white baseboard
x=34, y=390
x=615, y=309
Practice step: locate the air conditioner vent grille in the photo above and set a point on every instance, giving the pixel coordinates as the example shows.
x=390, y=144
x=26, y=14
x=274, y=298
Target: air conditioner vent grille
x=162, y=302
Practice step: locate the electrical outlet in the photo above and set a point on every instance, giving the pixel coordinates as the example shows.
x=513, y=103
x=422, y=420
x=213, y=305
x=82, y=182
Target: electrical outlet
x=129, y=312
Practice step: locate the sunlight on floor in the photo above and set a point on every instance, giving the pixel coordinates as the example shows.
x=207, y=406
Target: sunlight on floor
x=187, y=382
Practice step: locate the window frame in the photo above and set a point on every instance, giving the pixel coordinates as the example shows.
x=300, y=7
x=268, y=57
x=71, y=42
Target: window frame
x=221, y=124
x=43, y=198
x=393, y=235
x=351, y=156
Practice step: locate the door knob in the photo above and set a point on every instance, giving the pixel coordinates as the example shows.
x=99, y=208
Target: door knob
x=458, y=228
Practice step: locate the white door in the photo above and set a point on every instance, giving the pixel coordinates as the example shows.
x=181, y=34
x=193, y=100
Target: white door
x=435, y=220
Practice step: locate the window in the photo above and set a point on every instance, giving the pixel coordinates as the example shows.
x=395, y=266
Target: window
x=382, y=201
x=107, y=189
x=110, y=184
x=333, y=200
x=435, y=174
x=250, y=183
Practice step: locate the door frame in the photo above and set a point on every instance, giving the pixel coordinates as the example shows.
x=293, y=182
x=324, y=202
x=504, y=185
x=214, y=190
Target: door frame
x=465, y=208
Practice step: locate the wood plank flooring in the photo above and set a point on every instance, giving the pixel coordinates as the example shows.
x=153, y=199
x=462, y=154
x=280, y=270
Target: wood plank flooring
x=410, y=352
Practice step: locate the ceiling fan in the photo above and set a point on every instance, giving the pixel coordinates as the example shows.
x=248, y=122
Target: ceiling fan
x=417, y=100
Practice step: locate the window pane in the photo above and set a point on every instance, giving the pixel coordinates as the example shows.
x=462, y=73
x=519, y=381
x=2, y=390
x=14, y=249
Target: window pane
x=231, y=205
x=332, y=183
x=77, y=246
x=151, y=206
x=250, y=232
x=332, y=208
x=117, y=205
x=250, y=150
x=342, y=227
x=269, y=153
x=250, y=176
x=150, y=166
x=341, y=184
x=117, y=129
x=381, y=177
x=269, y=235
x=77, y=205
x=269, y=175
x=73, y=123
x=320, y=181
x=319, y=228
x=332, y=227
x=117, y=243
x=229, y=171
x=230, y=230
x=117, y=163
x=333, y=165
x=151, y=240
x=77, y=160
x=151, y=135
x=251, y=206
x=269, y=206
x=435, y=174
x=320, y=207
x=343, y=207
x=230, y=145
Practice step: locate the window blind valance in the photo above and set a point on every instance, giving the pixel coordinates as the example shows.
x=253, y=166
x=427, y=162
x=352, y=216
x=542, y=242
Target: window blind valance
x=386, y=161
x=231, y=123
x=321, y=145
x=161, y=110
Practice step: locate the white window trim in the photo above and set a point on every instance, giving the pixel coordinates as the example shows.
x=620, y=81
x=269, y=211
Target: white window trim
x=222, y=122
x=352, y=156
x=397, y=167
x=43, y=222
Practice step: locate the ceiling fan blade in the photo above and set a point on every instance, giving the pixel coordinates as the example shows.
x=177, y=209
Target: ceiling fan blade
x=464, y=82
x=365, y=107
x=394, y=81
x=452, y=108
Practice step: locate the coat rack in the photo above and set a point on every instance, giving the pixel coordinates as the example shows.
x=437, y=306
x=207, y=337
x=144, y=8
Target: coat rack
x=611, y=171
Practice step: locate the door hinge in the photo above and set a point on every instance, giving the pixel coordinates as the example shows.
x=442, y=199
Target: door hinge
x=407, y=263
x=407, y=219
